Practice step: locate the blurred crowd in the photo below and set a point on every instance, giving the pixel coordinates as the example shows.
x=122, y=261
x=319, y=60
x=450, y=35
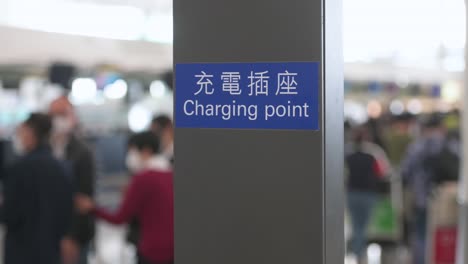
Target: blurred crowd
x=48, y=205
x=395, y=168
x=408, y=157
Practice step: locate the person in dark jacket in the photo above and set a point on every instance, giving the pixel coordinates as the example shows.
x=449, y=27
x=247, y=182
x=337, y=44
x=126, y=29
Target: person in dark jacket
x=366, y=164
x=418, y=172
x=37, y=199
x=149, y=199
x=67, y=147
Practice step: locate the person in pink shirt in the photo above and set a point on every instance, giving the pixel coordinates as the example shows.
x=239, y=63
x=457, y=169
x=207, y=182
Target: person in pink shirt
x=148, y=199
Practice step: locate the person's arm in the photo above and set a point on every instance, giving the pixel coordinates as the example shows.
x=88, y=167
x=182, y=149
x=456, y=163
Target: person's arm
x=407, y=163
x=131, y=204
x=85, y=171
x=66, y=205
x=383, y=163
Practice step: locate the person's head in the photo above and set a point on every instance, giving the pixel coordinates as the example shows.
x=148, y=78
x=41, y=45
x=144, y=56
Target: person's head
x=141, y=147
x=360, y=135
x=162, y=126
x=452, y=121
x=433, y=125
x=32, y=133
x=401, y=123
x=63, y=116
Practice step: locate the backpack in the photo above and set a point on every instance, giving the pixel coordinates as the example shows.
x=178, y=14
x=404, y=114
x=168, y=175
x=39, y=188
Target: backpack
x=443, y=166
x=365, y=173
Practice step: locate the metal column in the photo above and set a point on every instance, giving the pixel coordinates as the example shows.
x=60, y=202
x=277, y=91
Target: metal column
x=261, y=196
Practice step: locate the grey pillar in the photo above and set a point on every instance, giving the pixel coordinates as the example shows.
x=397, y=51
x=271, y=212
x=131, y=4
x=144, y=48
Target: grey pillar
x=261, y=196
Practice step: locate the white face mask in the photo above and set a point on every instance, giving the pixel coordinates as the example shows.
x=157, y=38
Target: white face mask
x=133, y=161
x=62, y=125
x=18, y=146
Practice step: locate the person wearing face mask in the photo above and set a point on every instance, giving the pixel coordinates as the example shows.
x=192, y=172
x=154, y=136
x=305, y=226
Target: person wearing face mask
x=38, y=203
x=69, y=148
x=148, y=199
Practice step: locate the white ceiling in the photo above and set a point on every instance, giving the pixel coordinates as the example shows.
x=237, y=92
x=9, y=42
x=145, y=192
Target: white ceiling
x=81, y=51
x=149, y=20
x=149, y=5
x=23, y=20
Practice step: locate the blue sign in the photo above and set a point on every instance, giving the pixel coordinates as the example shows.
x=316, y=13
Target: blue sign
x=248, y=95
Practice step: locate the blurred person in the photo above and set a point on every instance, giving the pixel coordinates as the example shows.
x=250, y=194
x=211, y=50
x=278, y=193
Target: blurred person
x=444, y=166
x=162, y=125
x=67, y=146
x=452, y=125
x=398, y=137
x=375, y=133
x=418, y=175
x=149, y=199
x=366, y=165
x=452, y=121
x=38, y=201
x=163, y=128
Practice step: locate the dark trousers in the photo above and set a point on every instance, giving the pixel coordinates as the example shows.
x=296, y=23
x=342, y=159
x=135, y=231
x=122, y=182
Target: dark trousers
x=360, y=206
x=419, y=233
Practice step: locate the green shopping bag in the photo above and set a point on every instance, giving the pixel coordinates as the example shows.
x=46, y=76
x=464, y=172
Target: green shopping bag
x=384, y=221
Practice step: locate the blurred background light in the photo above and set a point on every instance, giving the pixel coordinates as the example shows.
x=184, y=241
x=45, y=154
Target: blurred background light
x=139, y=118
x=451, y=92
x=158, y=89
x=397, y=107
x=83, y=90
x=116, y=90
x=415, y=106
x=374, y=109
x=355, y=112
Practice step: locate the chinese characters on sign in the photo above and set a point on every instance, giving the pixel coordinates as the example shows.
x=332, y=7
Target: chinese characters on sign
x=205, y=83
x=248, y=95
x=287, y=83
x=258, y=83
x=231, y=82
